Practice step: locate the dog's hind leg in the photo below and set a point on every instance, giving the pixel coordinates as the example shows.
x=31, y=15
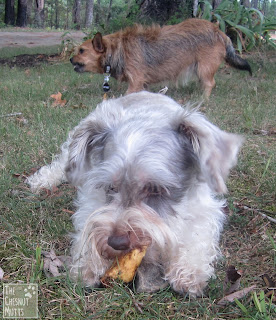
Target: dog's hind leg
x=206, y=75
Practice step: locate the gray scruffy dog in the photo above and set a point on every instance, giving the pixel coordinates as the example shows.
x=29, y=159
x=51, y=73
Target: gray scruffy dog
x=147, y=173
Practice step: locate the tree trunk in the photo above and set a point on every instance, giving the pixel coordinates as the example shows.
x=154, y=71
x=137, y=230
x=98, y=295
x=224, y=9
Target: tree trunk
x=254, y=4
x=195, y=7
x=108, y=14
x=89, y=13
x=76, y=14
x=98, y=12
x=39, y=13
x=215, y=3
x=67, y=15
x=9, y=12
x=264, y=7
x=57, y=15
x=246, y=3
x=21, y=20
x=162, y=10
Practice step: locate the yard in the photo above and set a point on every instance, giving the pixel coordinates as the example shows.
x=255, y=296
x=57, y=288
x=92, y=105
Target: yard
x=32, y=127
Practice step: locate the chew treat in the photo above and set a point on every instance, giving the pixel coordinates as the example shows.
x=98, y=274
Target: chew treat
x=124, y=267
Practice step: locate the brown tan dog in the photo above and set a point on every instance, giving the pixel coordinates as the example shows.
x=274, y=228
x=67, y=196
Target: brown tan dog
x=146, y=55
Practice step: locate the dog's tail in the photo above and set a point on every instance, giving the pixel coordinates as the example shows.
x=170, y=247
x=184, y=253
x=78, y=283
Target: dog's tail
x=234, y=60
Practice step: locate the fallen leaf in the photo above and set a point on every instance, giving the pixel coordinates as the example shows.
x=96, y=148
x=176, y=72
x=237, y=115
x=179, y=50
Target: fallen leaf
x=271, y=287
x=79, y=106
x=47, y=193
x=236, y=295
x=21, y=121
x=268, y=281
x=265, y=132
x=52, y=264
x=233, y=277
x=58, y=100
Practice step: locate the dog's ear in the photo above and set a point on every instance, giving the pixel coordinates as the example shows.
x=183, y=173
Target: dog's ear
x=217, y=150
x=86, y=147
x=97, y=43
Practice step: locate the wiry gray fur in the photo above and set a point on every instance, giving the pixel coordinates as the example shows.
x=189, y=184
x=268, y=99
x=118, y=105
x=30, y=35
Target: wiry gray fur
x=147, y=173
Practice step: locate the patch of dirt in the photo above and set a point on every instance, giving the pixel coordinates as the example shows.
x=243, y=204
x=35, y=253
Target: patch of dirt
x=29, y=60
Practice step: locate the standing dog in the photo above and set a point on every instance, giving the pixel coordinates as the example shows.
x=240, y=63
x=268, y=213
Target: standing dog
x=147, y=173
x=146, y=55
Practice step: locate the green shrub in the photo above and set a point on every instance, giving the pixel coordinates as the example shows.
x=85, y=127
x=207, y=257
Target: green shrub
x=247, y=27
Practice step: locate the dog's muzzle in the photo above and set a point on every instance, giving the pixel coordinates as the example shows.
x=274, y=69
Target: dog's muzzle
x=78, y=67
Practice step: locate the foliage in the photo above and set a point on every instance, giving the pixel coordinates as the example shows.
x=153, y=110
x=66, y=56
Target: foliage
x=247, y=27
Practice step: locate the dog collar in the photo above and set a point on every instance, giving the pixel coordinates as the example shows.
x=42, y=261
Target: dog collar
x=106, y=86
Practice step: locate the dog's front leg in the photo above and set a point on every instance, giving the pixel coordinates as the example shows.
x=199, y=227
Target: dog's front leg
x=135, y=86
x=190, y=272
x=50, y=175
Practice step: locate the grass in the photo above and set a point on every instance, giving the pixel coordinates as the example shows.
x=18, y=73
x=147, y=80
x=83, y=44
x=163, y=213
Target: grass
x=32, y=223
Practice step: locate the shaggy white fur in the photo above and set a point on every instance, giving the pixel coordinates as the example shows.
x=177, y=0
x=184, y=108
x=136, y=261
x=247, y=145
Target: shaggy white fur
x=147, y=173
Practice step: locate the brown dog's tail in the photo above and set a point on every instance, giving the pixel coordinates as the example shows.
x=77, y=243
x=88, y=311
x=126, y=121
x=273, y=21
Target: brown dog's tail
x=234, y=60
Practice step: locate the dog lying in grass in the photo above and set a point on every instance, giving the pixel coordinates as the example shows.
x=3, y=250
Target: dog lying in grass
x=146, y=55
x=148, y=174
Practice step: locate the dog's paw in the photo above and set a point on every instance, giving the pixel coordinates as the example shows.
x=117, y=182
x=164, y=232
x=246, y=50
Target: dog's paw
x=34, y=182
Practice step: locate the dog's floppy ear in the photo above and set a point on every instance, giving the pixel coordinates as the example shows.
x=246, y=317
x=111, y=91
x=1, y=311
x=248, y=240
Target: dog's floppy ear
x=97, y=43
x=86, y=146
x=217, y=150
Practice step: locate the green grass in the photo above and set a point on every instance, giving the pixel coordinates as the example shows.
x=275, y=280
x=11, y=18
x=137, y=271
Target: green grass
x=239, y=104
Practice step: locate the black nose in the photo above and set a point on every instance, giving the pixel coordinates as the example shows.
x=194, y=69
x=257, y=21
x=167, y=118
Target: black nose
x=71, y=60
x=119, y=242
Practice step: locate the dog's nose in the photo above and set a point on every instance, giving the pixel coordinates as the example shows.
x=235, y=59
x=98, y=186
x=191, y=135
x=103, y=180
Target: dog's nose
x=71, y=60
x=119, y=242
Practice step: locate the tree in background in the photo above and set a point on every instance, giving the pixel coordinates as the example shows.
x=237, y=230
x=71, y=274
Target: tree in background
x=39, y=13
x=162, y=11
x=76, y=14
x=110, y=15
x=9, y=12
x=21, y=20
x=89, y=13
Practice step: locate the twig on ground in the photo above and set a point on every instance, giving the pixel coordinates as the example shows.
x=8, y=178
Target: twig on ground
x=259, y=211
x=11, y=115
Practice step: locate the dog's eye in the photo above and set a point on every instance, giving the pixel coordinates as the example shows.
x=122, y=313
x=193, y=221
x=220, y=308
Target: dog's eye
x=81, y=51
x=112, y=189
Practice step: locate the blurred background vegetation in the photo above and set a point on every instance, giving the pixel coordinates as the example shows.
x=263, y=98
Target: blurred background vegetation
x=248, y=23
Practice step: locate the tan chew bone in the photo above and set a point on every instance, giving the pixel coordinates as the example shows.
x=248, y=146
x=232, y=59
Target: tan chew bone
x=124, y=267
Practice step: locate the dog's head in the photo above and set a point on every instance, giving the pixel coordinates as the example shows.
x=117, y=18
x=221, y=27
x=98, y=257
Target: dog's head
x=144, y=155
x=151, y=145
x=89, y=55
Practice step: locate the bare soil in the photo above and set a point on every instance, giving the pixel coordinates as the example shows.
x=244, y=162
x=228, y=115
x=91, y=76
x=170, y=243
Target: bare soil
x=31, y=39
x=28, y=60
